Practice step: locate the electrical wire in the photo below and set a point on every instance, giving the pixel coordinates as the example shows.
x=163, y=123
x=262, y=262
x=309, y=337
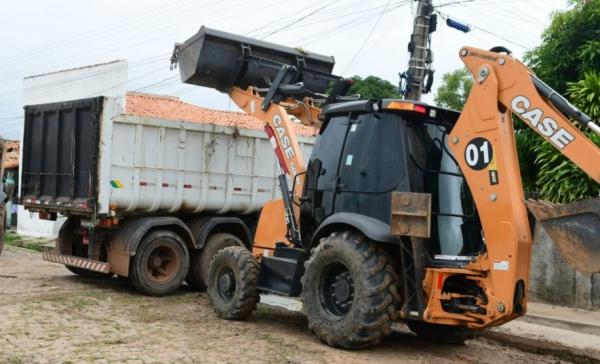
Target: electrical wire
x=299, y=19
x=362, y=46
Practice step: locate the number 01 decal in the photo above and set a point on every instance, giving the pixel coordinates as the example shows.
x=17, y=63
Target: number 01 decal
x=479, y=153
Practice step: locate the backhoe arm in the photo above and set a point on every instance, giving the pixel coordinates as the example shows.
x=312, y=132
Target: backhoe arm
x=483, y=142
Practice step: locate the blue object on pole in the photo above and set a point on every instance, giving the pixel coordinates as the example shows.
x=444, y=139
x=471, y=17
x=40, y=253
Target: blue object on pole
x=457, y=25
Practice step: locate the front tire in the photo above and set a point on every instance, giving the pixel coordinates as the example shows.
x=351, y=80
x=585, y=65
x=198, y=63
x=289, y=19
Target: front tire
x=160, y=264
x=232, y=277
x=350, y=291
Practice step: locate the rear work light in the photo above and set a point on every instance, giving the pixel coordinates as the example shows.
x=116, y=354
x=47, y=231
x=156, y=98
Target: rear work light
x=408, y=106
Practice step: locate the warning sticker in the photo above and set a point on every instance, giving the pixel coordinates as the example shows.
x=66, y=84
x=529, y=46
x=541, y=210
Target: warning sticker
x=501, y=264
x=493, y=177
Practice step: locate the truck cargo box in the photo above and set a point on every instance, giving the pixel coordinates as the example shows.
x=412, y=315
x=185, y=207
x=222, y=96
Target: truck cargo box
x=80, y=157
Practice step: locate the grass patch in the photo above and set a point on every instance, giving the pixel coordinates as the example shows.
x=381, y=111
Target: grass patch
x=13, y=239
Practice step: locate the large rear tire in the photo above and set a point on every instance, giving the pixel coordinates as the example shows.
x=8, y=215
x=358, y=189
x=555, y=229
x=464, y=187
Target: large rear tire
x=200, y=260
x=350, y=291
x=442, y=333
x=160, y=264
x=232, y=277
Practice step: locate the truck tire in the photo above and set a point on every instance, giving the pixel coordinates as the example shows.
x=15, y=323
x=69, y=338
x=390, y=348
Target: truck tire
x=200, y=260
x=442, y=333
x=160, y=263
x=350, y=291
x=232, y=277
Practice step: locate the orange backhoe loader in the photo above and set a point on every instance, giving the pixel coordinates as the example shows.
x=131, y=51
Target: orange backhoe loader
x=405, y=210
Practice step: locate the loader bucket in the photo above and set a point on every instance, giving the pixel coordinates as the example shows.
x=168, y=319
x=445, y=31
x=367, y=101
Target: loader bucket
x=220, y=60
x=574, y=228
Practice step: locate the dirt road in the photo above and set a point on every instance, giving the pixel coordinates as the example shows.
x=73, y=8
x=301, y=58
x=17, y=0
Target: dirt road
x=48, y=315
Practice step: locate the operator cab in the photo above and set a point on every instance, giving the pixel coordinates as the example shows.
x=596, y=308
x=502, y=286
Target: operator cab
x=368, y=149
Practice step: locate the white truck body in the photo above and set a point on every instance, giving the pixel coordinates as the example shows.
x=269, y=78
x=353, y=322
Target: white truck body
x=155, y=166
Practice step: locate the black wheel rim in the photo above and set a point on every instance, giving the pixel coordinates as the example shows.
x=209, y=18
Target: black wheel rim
x=336, y=290
x=226, y=283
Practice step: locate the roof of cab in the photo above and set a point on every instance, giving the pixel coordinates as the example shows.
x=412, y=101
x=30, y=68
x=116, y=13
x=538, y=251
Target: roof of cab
x=365, y=106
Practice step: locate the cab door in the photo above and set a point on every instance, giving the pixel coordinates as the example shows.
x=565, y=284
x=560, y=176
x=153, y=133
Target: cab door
x=372, y=165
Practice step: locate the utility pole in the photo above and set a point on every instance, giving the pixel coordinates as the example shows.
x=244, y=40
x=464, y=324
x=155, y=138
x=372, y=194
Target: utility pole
x=419, y=51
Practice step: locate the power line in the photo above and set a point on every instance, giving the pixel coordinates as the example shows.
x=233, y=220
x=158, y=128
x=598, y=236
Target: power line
x=300, y=19
x=362, y=46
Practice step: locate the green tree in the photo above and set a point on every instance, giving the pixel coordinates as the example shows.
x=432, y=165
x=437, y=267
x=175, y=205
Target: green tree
x=570, y=46
x=373, y=87
x=559, y=180
x=455, y=89
x=568, y=60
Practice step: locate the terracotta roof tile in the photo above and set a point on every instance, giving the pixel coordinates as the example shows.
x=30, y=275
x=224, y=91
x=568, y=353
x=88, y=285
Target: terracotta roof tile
x=169, y=107
x=12, y=156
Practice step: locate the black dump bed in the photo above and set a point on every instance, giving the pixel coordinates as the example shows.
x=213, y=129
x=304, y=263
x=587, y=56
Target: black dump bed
x=60, y=155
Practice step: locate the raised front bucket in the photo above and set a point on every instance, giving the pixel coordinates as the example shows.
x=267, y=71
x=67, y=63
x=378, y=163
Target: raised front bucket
x=574, y=228
x=220, y=60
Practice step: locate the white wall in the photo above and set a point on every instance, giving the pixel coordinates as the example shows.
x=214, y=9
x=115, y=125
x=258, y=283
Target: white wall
x=28, y=223
x=106, y=79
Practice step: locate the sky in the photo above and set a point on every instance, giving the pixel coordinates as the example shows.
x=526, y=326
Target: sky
x=366, y=37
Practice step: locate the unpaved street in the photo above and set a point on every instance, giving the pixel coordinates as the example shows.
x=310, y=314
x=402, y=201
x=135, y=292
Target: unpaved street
x=48, y=315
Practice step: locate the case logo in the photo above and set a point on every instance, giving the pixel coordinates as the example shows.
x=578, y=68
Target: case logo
x=547, y=126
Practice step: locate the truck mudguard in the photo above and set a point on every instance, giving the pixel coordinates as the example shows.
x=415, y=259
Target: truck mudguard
x=202, y=227
x=373, y=229
x=133, y=230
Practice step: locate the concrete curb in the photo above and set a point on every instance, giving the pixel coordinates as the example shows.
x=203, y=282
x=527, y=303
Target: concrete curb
x=536, y=346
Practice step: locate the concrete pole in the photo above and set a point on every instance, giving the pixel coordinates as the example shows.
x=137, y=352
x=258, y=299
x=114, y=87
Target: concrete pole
x=419, y=39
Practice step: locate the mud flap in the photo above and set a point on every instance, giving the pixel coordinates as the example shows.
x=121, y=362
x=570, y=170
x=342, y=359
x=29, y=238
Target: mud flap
x=574, y=228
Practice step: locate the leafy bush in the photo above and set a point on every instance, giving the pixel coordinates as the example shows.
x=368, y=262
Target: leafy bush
x=559, y=180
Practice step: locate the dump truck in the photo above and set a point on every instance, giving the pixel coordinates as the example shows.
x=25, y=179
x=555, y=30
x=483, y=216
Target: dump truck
x=145, y=198
x=404, y=210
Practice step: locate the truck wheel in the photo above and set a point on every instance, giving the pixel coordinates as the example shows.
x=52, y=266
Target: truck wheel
x=160, y=264
x=232, y=277
x=200, y=260
x=442, y=333
x=350, y=291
